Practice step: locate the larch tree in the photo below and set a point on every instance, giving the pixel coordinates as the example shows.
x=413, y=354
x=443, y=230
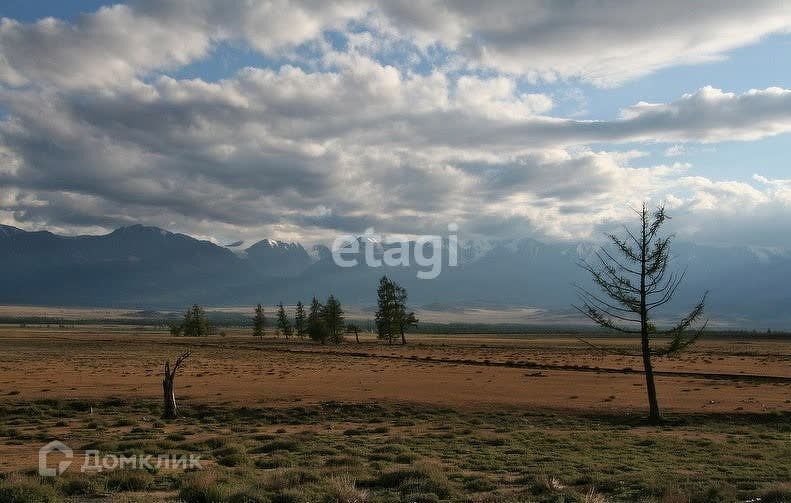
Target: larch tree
x=259, y=321
x=332, y=314
x=404, y=319
x=392, y=317
x=351, y=328
x=283, y=323
x=316, y=328
x=385, y=310
x=195, y=323
x=634, y=280
x=299, y=320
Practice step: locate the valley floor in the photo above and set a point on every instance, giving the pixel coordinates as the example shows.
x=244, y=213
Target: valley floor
x=457, y=418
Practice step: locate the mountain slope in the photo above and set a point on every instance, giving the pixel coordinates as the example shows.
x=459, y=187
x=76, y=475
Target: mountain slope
x=142, y=267
x=277, y=258
x=131, y=265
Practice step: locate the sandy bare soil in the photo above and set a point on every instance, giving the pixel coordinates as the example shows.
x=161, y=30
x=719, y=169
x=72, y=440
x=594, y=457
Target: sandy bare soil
x=470, y=371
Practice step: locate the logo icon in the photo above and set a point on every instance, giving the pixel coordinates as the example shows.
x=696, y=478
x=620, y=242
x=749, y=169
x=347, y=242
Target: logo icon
x=54, y=447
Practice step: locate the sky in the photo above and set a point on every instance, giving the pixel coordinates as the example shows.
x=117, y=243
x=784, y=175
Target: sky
x=305, y=120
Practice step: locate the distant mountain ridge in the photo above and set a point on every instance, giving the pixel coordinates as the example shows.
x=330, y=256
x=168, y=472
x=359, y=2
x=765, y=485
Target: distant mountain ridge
x=149, y=267
x=278, y=258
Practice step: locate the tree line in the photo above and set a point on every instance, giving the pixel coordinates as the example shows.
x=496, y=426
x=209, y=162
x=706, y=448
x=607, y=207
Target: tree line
x=321, y=322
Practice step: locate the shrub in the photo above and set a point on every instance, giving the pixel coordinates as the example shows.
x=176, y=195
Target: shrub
x=233, y=459
x=203, y=487
x=79, y=486
x=128, y=480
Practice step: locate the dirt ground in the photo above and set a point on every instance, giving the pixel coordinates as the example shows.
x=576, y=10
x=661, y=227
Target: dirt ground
x=554, y=372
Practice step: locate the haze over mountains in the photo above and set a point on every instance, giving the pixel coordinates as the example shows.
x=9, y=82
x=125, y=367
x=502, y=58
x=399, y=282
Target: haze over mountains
x=148, y=267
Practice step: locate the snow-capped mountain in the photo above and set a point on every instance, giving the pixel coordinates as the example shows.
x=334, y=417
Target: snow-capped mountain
x=277, y=258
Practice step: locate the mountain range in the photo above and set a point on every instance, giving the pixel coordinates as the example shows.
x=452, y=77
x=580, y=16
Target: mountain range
x=148, y=267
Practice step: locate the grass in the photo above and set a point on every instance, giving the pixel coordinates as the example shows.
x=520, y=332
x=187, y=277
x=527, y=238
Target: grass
x=16, y=488
x=408, y=453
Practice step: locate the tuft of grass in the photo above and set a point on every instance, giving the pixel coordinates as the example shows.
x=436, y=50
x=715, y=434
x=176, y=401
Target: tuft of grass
x=128, y=480
x=288, y=478
x=24, y=489
x=79, y=485
x=203, y=487
x=593, y=497
x=281, y=444
x=422, y=478
x=479, y=484
x=343, y=489
x=125, y=421
x=341, y=461
x=274, y=461
x=234, y=459
x=777, y=493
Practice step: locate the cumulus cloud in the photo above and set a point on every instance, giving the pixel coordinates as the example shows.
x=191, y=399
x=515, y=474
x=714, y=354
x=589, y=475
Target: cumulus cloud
x=605, y=43
x=97, y=134
x=119, y=42
x=109, y=46
x=710, y=115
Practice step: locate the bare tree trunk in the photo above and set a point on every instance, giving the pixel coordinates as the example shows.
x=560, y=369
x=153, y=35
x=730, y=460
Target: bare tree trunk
x=654, y=414
x=170, y=410
x=357, y=336
x=403, y=339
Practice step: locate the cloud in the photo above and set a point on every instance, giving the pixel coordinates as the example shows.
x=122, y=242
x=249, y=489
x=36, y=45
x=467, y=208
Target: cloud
x=674, y=151
x=263, y=149
x=112, y=45
x=710, y=115
x=95, y=134
x=729, y=212
x=605, y=43
x=119, y=42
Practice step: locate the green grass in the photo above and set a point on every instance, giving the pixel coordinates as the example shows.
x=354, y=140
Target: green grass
x=363, y=452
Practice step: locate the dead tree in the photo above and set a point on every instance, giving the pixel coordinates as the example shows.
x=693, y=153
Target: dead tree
x=168, y=381
x=632, y=286
x=351, y=328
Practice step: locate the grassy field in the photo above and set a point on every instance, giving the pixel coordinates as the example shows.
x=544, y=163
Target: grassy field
x=535, y=417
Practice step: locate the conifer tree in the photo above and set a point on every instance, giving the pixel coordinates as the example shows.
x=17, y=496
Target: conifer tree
x=259, y=321
x=332, y=314
x=316, y=329
x=299, y=320
x=392, y=317
x=283, y=323
x=634, y=280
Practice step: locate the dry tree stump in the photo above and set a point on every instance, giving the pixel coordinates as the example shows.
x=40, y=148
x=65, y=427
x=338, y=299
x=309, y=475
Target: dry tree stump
x=170, y=410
